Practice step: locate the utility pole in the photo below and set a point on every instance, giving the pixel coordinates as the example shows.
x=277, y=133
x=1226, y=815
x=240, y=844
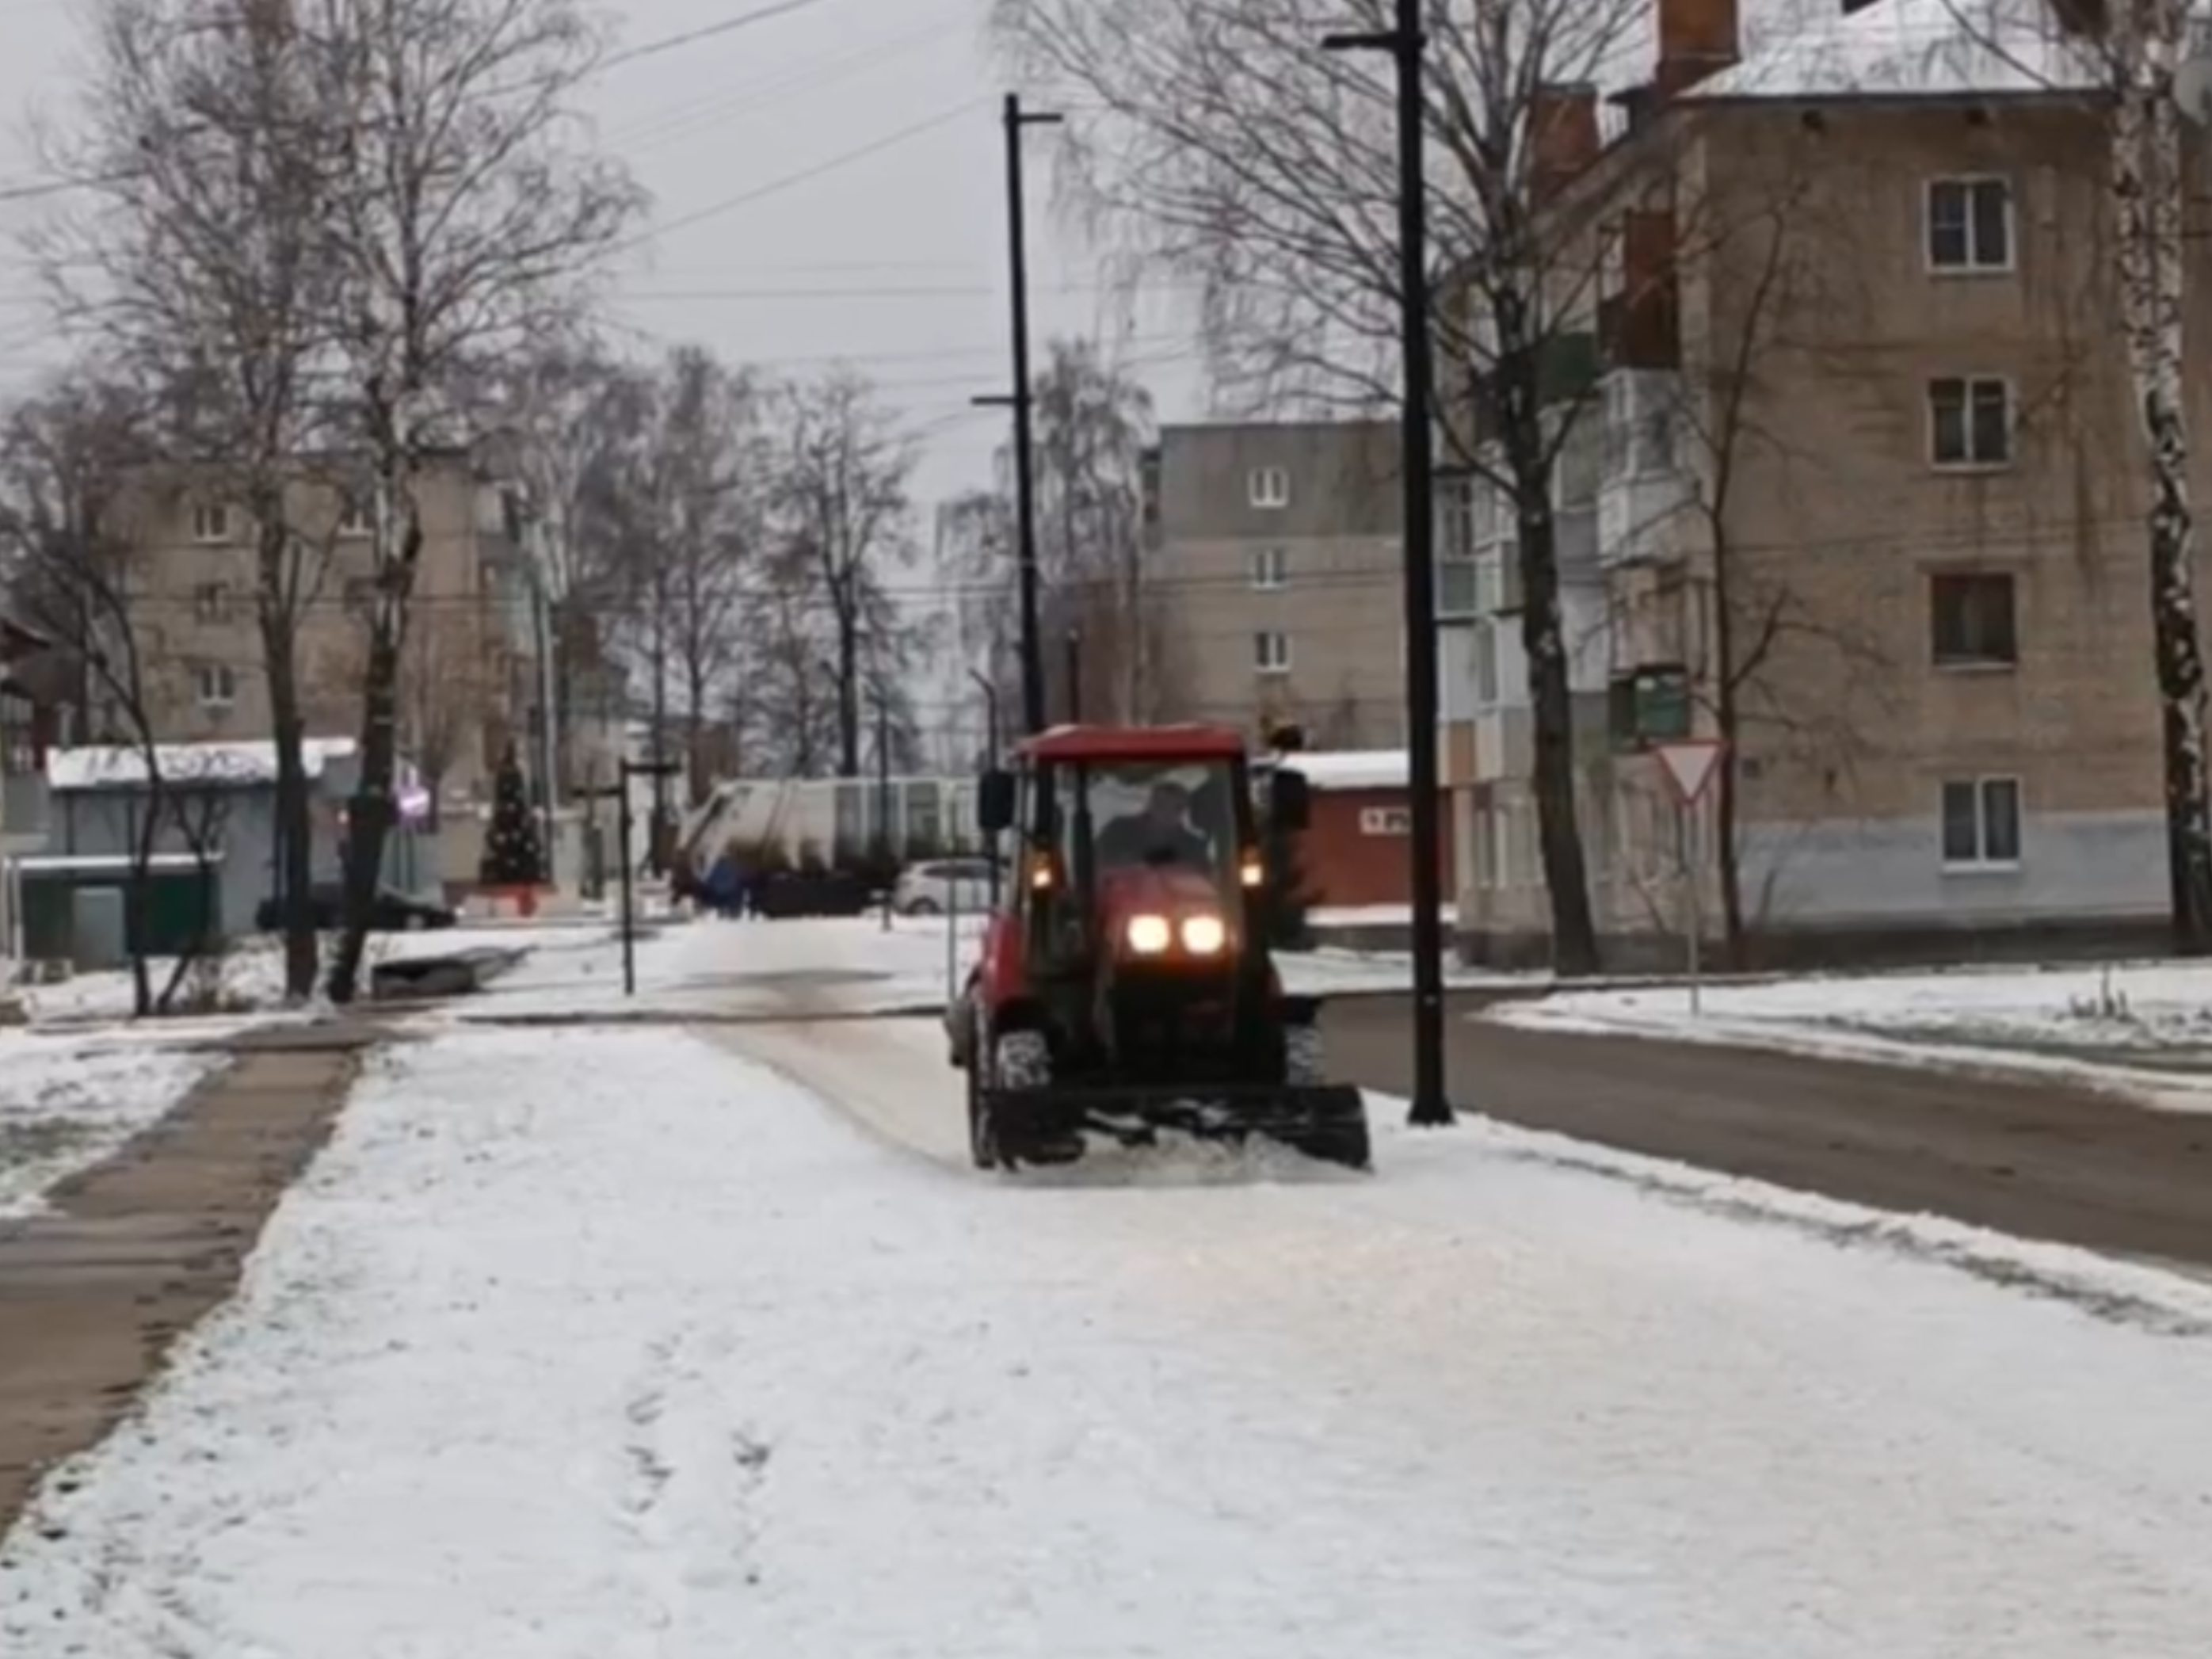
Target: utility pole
x=1074, y=648
x=1406, y=46
x=885, y=861
x=1015, y=118
x=991, y=731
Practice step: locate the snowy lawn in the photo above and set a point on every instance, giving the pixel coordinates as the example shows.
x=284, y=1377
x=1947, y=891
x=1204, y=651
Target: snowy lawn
x=249, y=978
x=66, y=1105
x=2143, y=1028
x=600, y=1345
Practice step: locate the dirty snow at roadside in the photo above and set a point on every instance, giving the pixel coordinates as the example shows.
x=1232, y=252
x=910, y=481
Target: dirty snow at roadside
x=598, y=1344
x=66, y=1105
x=2141, y=1029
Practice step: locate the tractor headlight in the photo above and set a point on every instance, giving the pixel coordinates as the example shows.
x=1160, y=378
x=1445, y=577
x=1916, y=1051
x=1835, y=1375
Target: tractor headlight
x=1203, y=936
x=1148, y=935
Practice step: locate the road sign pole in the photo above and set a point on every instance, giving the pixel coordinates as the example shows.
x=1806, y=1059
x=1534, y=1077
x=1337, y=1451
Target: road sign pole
x=1689, y=765
x=1693, y=867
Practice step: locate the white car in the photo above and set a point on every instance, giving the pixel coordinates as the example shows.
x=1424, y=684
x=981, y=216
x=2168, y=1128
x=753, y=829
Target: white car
x=939, y=885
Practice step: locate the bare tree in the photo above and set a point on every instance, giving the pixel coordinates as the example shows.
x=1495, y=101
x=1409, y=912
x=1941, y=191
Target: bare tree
x=1093, y=422
x=1231, y=148
x=448, y=685
x=1773, y=670
x=200, y=265
x=841, y=519
x=463, y=223
x=2140, y=69
x=68, y=463
x=549, y=402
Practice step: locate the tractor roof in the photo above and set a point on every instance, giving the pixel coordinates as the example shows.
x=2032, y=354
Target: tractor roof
x=1082, y=742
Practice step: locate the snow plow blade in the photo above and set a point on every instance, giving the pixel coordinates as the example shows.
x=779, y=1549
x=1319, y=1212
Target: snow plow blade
x=1326, y=1122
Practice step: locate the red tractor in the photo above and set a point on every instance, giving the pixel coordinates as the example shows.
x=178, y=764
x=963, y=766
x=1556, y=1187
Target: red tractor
x=1125, y=983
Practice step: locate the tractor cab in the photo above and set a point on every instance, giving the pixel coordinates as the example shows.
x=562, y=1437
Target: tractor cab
x=1125, y=984
x=1140, y=843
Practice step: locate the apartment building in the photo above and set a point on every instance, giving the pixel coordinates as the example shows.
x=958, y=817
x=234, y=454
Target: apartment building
x=27, y=723
x=1273, y=576
x=1863, y=479
x=468, y=680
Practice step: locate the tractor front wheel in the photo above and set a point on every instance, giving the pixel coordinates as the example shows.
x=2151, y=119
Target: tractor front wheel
x=982, y=1123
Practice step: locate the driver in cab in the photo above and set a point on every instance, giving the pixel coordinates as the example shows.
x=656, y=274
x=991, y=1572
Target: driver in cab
x=1160, y=834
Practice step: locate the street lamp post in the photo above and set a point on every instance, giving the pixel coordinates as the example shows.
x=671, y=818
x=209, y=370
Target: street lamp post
x=1406, y=44
x=1015, y=118
x=618, y=791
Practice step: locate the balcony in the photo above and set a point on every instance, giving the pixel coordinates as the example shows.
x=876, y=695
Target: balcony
x=24, y=812
x=1646, y=491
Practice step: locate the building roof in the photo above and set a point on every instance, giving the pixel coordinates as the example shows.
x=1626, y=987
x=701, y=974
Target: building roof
x=123, y=766
x=1329, y=769
x=1901, y=48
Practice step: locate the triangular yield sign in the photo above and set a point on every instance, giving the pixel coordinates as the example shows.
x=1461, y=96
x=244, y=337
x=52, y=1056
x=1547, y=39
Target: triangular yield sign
x=1689, y=766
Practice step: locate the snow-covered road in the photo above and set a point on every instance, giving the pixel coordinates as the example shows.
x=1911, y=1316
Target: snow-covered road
x=585, y=1344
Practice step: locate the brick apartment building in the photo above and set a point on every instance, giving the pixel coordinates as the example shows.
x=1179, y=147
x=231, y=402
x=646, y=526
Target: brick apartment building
x=1855, y=419
x=1272, y=564
x=469, y=681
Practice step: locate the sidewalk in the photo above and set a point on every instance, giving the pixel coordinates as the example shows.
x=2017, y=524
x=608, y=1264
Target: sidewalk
x=133, y=1252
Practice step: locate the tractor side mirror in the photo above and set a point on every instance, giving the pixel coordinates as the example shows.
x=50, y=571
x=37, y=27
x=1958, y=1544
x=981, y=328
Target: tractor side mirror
x=994, y=802
x=1290, y=801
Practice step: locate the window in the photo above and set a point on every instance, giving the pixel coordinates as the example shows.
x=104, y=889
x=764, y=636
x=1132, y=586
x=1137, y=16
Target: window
x=1576, y=465
x=211, y=602
x=1455, y=589
x=1969, y=224
x=1270, y=569
x=214, y=685
x=1981, y=823
x=1271, y=652
x=1269, y=487
x=353, y=516
x=1485, y=664
x=210, y=522
x=1971, y=620
x=1970, y=421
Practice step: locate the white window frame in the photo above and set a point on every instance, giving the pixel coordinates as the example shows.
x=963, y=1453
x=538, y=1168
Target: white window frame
x=1981, y=863
x=215, y=685
x=1271, y=651
x=356, y=521
x=1973, y=383
x=1268, y=487
x=211, y=523
x=1974, y=265
x=1271, y=570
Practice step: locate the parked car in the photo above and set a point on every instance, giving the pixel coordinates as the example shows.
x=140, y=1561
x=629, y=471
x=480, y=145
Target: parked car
x=393, y=912
x=936, y=885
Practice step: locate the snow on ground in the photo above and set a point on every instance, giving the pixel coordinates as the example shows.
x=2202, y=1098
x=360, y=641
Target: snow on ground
x=598, y=1344
x=2141, y=1029
x=708, y=966
x=66, y=1105
x=249, y=978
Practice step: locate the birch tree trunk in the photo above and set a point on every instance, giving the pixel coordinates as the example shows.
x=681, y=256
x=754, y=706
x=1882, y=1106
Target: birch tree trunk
x=2146, y=191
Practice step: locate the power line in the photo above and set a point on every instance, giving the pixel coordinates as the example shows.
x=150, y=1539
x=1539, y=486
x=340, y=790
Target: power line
x=803, y=175
x=59, y=184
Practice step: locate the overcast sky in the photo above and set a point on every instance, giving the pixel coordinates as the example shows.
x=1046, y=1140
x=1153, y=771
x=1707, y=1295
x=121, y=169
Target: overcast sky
x=828, y=183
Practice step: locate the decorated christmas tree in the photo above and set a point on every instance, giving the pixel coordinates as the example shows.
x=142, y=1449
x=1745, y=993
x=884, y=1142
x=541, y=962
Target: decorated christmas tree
x=512, y=857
